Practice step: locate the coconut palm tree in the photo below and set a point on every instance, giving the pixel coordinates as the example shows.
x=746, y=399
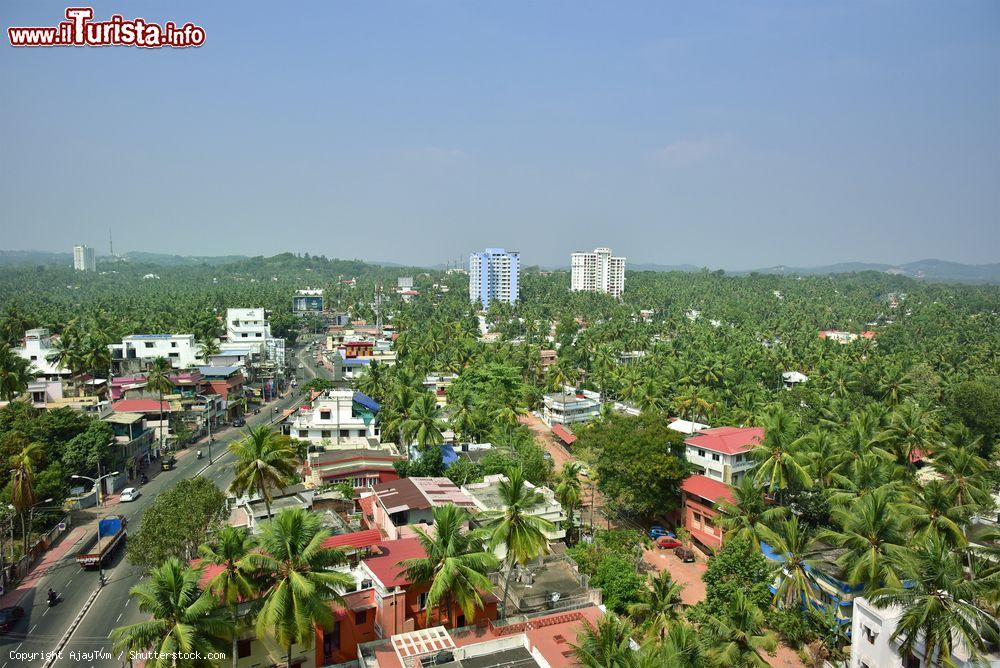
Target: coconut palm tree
x=797, y=549
x=737, y=636
x=940, y=605
x=264, y=462
x=965, y=472
x=232, y=585
x=748, y=513
x=659, y=607
x=208, y=346
x=425, y=423
x=930, y=508
x=873, y=535
x=15, y=373
x=294, y=578
x=568, y=491
x=521, y=534
x=158, y=380
x=185, y=620
x=608, y=645
x=22, y=483
x=779, y=465
x=684, y=647
x=456, y=563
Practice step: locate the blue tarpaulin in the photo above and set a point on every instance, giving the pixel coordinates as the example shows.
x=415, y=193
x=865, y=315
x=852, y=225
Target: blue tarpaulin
x=366, y=401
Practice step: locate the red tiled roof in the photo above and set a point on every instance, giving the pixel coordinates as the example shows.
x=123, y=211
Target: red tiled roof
x=140, y=406
x=728, y=440
x=564, y=434
x=708, y=489
x=868, y=335
x=365, y=538
x=385, y=564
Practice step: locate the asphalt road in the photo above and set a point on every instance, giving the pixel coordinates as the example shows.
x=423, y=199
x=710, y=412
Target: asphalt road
x=90, y=645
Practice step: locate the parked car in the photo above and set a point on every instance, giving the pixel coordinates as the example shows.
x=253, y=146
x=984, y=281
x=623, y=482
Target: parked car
x=685, y=554
x=239, y=422
x=656, y=531
x=129, y=494
x=9, y=617
x=667, y=543
x=169, y=463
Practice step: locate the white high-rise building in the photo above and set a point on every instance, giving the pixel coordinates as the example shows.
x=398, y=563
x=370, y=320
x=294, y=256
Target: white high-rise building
x=493, y=276
x=598, y=271
x=84, y=258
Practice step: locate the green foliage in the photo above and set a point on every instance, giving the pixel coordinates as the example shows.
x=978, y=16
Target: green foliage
x=177, y=522
x=621, y=585
x=85, y=451
x=616, y=543
x=639, y=462
x=790, y=625
x=317, y=384
x=737, y=569
x=977, y=404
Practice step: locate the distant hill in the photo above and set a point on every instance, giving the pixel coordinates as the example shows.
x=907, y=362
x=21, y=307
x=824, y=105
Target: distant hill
x=927, y=270
x=164, y=260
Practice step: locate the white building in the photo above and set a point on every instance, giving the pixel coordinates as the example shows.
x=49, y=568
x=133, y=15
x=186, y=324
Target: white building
x=723, y=453
x=251, y=327
x=84, y=258
x=37, y=348
x=337, y=416
x=179, y=349
x=872, y=645
x=598, y=271
x=493, y=276
x=570, y=407
x=793, y=378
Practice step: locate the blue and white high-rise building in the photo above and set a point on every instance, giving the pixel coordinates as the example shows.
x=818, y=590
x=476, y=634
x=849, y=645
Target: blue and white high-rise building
x=493, y=276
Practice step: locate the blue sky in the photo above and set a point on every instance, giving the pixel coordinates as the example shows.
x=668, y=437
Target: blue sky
x=725, y=134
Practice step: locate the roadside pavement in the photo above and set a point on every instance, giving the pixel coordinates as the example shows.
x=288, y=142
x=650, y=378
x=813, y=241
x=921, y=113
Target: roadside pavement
x=63, y=546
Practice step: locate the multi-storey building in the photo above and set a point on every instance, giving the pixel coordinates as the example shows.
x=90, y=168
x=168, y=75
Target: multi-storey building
x=37, y=350
x=723, y=453
x=136, y=352
x=84, y=258
x=493, y=276
x=336, y=416
x=570, y=406
x=598, y=271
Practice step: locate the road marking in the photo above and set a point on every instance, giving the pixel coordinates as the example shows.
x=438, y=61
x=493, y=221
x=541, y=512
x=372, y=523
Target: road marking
x=32, y=629
x=70, y=582
x=46, y=611
x=119, y=617
x=18, y=647
x=127, y=601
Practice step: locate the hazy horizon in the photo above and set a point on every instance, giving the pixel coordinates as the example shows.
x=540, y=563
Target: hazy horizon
x=786, y=133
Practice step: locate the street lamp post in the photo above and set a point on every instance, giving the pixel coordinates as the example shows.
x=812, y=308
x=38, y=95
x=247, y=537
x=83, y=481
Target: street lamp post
x=97, y=488
x=31, y=516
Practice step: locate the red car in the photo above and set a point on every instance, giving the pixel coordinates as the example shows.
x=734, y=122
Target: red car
x=9, y=617
x=667, y=542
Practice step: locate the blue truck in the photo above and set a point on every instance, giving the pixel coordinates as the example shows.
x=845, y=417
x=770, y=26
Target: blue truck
x=101, y=544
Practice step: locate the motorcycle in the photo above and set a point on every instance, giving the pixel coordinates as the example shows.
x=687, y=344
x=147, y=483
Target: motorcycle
x=53, y=598
x=199, y=454
x=143, y=479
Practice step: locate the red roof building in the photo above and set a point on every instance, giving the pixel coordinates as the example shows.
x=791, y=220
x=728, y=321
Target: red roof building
x=700, y=495
x=727, y=440
x=564, y=435
x=140, y=406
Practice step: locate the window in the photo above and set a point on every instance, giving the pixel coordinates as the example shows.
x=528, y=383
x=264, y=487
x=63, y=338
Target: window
x=34, y=358
x=149, y=344
x=345, y=433
x=243, y=335
x=715, y=456
x=331, y=640
x=324, y=415
x=701, y=453
x=422, y=601
x=243, y=648
x=325, y=433
x=173, y=344
x=257, y=335
x=360, y=617
x=869, y=634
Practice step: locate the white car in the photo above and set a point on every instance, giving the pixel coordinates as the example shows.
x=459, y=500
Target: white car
x=129, y=494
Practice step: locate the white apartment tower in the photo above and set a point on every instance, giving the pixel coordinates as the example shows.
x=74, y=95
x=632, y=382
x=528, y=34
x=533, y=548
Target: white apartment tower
x=84, y=258
x=598, y=271
x=493, y=276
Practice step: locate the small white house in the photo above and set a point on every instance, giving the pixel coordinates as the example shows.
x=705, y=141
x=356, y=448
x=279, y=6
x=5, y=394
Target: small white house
x=723, y=453
x=793, y=378
x=37, y=347
x=178, y=349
